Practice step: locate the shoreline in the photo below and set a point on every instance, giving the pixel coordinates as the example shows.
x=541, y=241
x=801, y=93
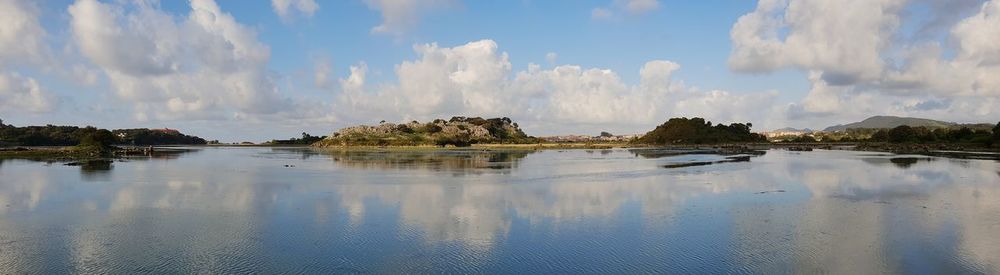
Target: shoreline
x=71, y=153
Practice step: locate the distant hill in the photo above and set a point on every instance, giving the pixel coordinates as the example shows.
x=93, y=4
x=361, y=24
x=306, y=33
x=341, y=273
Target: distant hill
x=885, y=122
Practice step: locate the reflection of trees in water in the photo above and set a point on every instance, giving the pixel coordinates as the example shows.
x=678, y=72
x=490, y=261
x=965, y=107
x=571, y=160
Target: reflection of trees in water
x=303, y=152
x=96, y=170
x=655, y=153
x=167, y=153
x=901, y=162
x=458, y=161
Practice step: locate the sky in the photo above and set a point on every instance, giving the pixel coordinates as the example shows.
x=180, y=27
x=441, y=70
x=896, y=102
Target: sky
x=259, y=70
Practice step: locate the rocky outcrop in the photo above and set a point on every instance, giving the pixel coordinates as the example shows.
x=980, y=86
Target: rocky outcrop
x=458, y=131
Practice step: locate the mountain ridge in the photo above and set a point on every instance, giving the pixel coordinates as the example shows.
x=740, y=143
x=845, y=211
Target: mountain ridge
x=886, y=122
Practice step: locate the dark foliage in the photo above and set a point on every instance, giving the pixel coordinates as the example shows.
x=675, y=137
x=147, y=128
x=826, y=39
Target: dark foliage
x=803, y=138
x=143, y=137
x=48, y=135
x=996, y=134
x=305, y=140
x=51, y=135
x=907, y=134
x=698, y=131
x=97, y=138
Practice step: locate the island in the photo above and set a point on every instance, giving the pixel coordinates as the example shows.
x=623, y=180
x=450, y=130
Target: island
x=458, y=131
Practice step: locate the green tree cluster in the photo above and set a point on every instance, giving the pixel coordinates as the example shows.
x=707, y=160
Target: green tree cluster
x=98, y=138
x=144, y=137
x=996, y=135
x=51, y=135
x=698, y=131
x=305, y=140
x=907, y=134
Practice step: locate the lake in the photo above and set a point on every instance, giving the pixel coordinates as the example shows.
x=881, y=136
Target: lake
x=295, y=210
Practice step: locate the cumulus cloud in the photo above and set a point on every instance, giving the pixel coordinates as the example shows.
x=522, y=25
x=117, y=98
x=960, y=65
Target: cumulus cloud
x=22, y=38
x=843, y=39
x=476, y=79
x=442, y=81
x=285, y=8
x=356, y=81
x=868, y=49
x=399, y=15
x=24, y=94
x=204, y=65
x=22, y=42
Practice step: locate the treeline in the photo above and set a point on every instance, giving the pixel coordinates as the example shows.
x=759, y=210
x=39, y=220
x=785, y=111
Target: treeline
x=305, y=140
x=143, y=136
x=698, y=131
x=51, y=135
x=907, y=134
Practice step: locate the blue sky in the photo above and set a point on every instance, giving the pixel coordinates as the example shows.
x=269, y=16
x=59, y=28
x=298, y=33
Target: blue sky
x=246, y=70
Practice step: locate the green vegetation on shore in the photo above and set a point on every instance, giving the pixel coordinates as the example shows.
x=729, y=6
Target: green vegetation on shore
x=698, y=131
x=904, y=134
x=458, y=131
x=306, y=139
x=51, y=135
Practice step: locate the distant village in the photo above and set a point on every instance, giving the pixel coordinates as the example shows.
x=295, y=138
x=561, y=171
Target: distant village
x=603, y=137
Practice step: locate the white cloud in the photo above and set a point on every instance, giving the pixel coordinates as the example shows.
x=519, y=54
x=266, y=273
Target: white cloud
x=24, y=94
x=356, y=81
x=843, y=39
x=400, y=15
x=476, y=79
x=22, y=42
x=284, y=8
x=823, y=98
x=22, y=38
x=201, y=66
x=861, y=53
x=444, y=81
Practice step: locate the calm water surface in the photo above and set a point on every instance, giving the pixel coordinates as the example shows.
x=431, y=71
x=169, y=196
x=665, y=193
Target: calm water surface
x=273, y=210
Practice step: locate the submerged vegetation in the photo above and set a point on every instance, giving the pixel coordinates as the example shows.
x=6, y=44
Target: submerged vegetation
x=458, y=131
x=698, y=131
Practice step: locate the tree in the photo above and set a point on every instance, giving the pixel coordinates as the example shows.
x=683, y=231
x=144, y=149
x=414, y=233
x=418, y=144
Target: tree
x=606, y=134
x=996, y=134
x=98, y=138
x=901, y=134
x=804, y=138
x=698, y=131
